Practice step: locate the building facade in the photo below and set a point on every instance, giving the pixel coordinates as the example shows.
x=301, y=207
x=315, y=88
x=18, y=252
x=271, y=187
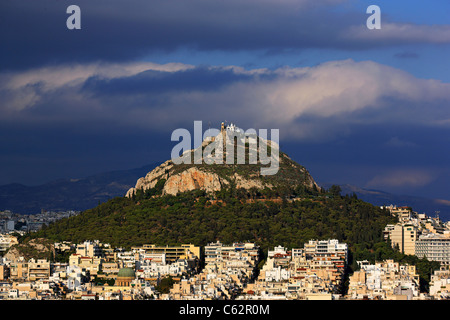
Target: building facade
x=403, y=237
x=434, y=247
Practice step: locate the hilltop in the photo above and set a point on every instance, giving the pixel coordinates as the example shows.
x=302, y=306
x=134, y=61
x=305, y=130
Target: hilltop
x=175, y=177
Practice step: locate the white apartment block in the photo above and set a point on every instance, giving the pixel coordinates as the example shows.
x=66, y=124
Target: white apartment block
x=434, y=247
x=326, y=247
x=386, y=280
x=440, y=284
x=217, y=251
x=127, y=259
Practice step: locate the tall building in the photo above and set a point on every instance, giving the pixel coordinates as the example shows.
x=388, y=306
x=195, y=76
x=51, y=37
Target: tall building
x=404, y=237
x=328, y=256
x=434, y=247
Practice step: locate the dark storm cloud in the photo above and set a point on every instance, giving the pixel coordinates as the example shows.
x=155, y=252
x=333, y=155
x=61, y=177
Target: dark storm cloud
x=38, y=153
x=34, y=33
x=364, y=158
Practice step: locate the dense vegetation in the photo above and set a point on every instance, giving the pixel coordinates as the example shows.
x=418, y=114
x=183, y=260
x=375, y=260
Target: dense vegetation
x=287, y=217
x=267, y=217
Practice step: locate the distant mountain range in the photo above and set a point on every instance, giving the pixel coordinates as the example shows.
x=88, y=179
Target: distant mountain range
x=419, y=204
x=86, y=193
x=69, y=194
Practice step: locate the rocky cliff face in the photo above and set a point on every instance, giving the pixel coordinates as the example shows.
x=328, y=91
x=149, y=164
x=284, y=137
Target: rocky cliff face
x=35, y=248
x=213, y=177
x=150, y=180
x=191, y=179
x=182, y=178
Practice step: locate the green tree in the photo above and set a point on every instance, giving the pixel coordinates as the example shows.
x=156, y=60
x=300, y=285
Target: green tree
x=335, y=190
x=165, y=285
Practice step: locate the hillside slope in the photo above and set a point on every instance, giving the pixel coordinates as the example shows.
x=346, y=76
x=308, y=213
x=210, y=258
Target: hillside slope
x=230, y=215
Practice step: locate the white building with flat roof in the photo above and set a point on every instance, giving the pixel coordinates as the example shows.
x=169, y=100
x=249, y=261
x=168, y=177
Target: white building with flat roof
x=434, y=247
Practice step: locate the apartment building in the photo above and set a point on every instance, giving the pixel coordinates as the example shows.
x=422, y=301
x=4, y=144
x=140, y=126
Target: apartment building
x=90, y=264
x=217, y=251
x=228, y=269
x=172, y=253
x=127, y=259
x=326, y=248
x=18, y=270
x=403, y=213
x=154, y=269
x=403, y=237
x=328, y=257
x=434, y=247
x=434, y=226
x=440, y=284
x=89, y=249
x=38, y=269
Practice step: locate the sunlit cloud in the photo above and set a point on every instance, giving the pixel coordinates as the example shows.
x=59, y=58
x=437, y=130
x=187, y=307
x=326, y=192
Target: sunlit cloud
x=305, y=102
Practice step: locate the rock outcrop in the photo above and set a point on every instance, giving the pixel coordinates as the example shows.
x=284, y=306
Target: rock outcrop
x=210, y=178
x=204, y=178
x=152, y=178
x=35, y=248
x=191, y=179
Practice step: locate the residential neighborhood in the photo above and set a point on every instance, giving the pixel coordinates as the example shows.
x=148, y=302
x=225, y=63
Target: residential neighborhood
x=238, y=271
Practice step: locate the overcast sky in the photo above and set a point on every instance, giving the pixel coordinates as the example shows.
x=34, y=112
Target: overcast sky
x=353, y=105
